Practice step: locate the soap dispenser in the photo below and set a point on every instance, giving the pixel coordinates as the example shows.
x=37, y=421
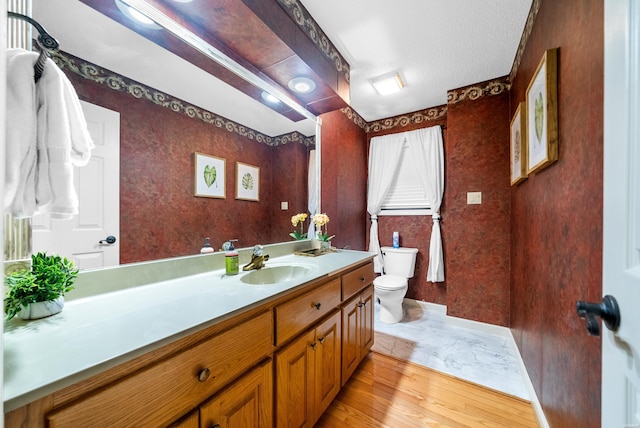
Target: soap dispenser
x=231, y=258
x=207, y=247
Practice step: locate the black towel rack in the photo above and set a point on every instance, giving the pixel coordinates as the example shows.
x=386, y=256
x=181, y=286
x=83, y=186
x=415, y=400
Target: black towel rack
x=45, y=42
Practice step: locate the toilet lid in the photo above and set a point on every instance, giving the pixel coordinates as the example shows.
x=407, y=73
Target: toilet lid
x=390, y=282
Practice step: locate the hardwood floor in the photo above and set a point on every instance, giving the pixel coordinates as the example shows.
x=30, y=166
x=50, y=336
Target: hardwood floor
x=387, y=392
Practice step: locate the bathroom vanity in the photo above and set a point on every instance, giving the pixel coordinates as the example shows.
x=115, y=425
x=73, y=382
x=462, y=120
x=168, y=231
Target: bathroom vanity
x=262, y=348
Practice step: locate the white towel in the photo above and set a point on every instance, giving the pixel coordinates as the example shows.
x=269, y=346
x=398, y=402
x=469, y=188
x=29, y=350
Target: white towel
x=20, y=160
x=63, y=141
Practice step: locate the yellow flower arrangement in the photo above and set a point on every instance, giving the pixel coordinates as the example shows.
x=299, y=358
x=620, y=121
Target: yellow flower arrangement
x=299, y=219
x=321, y=220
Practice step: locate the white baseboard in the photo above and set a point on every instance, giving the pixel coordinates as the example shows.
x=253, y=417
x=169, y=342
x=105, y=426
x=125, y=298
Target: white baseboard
x=432, y=307
x=491, y=329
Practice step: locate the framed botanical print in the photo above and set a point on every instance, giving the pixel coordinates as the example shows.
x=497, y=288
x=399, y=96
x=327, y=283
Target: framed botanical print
x=247, y=182
x=542, y=114
x=209, y=176
x=519, y=144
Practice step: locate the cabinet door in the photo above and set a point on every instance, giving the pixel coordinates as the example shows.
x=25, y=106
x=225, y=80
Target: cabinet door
x=246, y=403
x=192, y=420
x=327, y=363
x=366, y=322
x=350, y=338
x=294, y=383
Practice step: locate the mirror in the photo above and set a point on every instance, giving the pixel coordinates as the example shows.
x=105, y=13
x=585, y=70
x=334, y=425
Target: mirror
x=169, y=110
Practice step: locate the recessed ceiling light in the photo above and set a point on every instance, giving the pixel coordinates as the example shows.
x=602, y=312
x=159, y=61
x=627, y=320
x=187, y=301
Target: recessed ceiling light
x=388, y=83
x=302, y=85
x=183, y=1
x=136, y=16
x=269, y=98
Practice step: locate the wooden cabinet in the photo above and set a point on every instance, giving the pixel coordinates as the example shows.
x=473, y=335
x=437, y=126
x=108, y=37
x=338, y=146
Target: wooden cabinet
x=164, y=391
x=246, y=403
x=312, y=339
x=357, y=331
x=308, y=374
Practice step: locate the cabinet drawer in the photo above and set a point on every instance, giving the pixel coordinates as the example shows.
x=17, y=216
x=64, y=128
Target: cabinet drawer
x=162, y=392
x=355, y=281
x=295, y=315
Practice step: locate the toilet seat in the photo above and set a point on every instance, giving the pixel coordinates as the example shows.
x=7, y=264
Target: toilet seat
x=390, y=282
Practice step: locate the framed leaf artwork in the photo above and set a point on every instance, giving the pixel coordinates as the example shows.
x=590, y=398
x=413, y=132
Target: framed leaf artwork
x=247, y=182
x=209, y=176
x=519, y=144
x=542, y=114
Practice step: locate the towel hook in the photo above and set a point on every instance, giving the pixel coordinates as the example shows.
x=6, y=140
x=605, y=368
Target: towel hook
x=45, y=42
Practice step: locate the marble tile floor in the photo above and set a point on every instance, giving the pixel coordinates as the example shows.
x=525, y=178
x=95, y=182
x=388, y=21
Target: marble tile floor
x=429, y=338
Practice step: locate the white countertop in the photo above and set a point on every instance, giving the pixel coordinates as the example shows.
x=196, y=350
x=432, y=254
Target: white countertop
x=98, y=332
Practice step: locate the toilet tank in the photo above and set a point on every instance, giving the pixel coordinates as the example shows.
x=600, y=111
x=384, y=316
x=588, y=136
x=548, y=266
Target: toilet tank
x=399, y=261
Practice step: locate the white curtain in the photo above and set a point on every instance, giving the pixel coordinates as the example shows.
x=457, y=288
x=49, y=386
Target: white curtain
x=428, y=153
x=313, y=196
x=384, y=158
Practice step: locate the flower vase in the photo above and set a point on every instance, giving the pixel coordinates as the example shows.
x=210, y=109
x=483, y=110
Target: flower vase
x=325, y=245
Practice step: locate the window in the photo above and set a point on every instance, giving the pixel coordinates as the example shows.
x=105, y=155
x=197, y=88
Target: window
x=406, y=195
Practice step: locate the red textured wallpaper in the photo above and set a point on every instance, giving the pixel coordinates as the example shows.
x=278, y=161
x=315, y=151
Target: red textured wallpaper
x=477, y=236
x=344, y=180
x=290, y=163
x=556, y=219
x=159, y=215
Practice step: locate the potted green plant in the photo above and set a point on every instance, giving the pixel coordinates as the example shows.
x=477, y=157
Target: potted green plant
x=38, y=292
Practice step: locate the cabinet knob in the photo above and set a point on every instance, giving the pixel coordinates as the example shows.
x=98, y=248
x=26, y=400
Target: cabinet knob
x=362, y=279
x=321, y=340
x=313, y=345
x=203, y=375
x=360, y=304
x=215, y=426
x=317, y=305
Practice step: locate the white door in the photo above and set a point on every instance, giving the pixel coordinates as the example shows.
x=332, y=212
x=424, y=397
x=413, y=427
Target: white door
x=621, y=263
x=98, y=187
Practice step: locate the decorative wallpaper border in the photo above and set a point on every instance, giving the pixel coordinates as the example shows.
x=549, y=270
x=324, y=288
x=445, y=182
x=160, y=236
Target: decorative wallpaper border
x=528, y=27
x=483, y=89
x=119, y=83
x=311, y=28
x=416, y=117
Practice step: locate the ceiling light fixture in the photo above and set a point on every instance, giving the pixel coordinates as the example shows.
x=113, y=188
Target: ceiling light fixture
x=302, y=85
x=388, y=83
x=137, y=16
x=269, y=98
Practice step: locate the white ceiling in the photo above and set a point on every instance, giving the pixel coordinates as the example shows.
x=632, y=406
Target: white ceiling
x=436, y=45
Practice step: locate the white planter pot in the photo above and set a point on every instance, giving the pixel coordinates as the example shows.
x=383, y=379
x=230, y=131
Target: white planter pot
x=41, y=309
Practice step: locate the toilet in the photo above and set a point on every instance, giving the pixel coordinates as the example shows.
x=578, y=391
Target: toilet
x=391, y=287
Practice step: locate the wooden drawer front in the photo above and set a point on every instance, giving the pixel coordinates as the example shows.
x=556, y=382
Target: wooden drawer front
x=248, y=402
x=164, y=391
x=355, y=281
x=295, y=315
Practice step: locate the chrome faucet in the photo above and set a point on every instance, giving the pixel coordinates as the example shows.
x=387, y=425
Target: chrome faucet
x=257, y=259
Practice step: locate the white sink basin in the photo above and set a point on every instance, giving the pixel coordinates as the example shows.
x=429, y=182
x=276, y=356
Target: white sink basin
x=275, y=274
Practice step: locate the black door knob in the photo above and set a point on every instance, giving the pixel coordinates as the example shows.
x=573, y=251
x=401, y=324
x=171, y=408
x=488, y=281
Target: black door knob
x=608, y=310
x=110, y=240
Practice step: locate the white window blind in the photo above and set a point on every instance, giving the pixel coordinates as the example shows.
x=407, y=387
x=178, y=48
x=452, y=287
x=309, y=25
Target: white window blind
x=406, y=195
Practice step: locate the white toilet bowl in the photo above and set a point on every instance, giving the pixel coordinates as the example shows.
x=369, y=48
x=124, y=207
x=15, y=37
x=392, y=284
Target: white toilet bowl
x=390, y=290
x=391, y=287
